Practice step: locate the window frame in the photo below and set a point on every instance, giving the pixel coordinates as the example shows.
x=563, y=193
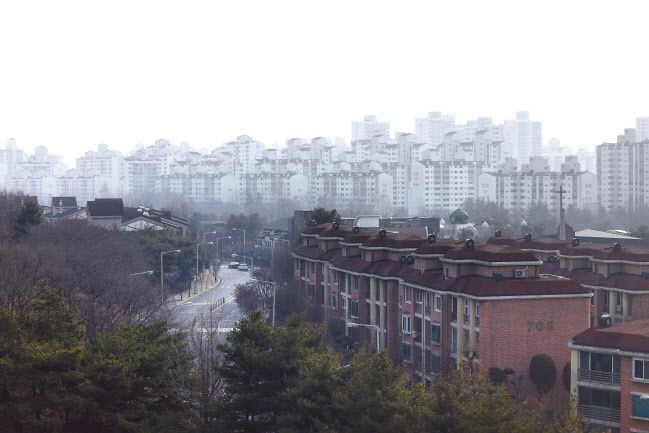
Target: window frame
x=645, y=372
x=406, y=318
x=438, y=305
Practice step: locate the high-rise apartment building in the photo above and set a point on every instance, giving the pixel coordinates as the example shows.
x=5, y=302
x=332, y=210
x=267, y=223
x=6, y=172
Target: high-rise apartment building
x=433, y=127
x=525, y=134
x=623, y=169
x=642, y=128
x=368, y=128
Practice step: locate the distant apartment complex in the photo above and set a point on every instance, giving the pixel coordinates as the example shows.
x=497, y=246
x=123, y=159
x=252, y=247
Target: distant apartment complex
x=434, y=170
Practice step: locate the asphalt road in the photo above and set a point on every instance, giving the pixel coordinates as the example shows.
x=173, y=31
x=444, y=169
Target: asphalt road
x=224, y=316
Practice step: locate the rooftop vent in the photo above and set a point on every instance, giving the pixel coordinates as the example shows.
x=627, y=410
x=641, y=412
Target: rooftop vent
x=575, y=242
x=382, y=234
x=355, y=230
x=469, y=244
x=334, y=226
x=528, y=238
x=432, y=238
x=498, y=233
x=605, y=321
x=410, y=260
x=617, y=247
x=403, y=260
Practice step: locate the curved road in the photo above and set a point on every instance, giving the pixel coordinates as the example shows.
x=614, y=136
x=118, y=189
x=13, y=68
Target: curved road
x=227, y=314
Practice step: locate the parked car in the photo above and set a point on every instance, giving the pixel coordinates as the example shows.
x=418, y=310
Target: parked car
x=233, y=265
x=243, y=267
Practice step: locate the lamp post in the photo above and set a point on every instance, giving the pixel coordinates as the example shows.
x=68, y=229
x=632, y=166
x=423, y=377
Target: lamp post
x=244, y=239
x=162, y=275
x=217, y=244
x=274, y=290
x=378, y=331
x=142, y=273
x=196, y=283
x=207, y=233
x=252, y=266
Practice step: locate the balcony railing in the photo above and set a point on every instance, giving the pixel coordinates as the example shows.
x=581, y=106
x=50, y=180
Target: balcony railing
x=603, y=377
x=418, y=307
x=417, y=337
x=427, y=310
x=453, y=317
x=598, y=412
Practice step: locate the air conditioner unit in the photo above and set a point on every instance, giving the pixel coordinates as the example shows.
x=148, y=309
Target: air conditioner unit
x=520, y=273
x=498, y=276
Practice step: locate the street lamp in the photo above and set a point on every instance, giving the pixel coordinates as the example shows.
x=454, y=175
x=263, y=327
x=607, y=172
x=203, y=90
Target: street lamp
x=196, y=283
x=274, y=290
x=207, y=233
x=162, y=275
x=142, y=273
x=378, y=331
x=217, y=244
x=244, y=239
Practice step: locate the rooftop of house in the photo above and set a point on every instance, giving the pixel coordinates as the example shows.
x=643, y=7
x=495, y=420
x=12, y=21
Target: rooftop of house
x=64, y=202
x=528, y=242
x=629, y=336
x=105, y=207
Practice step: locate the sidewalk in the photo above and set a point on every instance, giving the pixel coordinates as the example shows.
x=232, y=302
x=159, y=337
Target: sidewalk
x=176, y=300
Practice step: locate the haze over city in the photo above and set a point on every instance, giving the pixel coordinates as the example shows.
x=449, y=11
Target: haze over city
x=76, y=74
x=345, y=216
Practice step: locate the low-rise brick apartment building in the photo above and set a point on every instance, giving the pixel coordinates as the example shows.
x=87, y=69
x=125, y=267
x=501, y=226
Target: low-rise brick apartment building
x=437, y=302
x=618, y=275
x=610, y=376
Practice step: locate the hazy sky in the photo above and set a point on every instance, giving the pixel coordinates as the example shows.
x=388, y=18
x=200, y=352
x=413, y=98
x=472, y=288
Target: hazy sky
x=74, y=74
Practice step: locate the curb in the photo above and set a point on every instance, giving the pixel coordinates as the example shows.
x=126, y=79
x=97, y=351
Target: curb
x=178, y=303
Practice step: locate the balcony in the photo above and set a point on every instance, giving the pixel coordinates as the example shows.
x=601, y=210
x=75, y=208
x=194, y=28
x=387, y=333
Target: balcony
x=599, y=412
x=454, y=317
x=602, y=377
x=427, y=310
x=418, y=307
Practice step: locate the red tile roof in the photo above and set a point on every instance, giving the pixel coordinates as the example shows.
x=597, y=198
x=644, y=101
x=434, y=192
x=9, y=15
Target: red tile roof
x=394, y=240
x=491, y=253
x=631, y=336
x=585, y=276
x=631, y=254
x=440, y=246
x=535, y=243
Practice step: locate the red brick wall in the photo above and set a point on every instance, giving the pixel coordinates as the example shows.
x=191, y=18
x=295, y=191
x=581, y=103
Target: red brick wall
x=508, y=340
x=628, y=385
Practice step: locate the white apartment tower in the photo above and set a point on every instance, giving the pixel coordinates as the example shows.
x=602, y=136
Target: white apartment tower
x=623, y=170
x=433, y=127
x=525, y=134
x=642, y=128
x=368, y=128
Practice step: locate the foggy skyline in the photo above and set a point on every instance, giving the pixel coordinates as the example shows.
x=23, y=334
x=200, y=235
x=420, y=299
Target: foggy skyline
x=76, y=74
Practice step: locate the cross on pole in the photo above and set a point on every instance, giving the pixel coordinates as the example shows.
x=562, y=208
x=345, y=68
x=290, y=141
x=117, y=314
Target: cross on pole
x=561, y=192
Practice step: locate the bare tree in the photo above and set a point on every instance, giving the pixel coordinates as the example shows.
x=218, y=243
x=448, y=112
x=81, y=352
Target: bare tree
x=203, y=388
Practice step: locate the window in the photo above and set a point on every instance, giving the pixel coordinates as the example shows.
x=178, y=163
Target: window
x=311, y=289
x=419, y=296
x=467, y=307
x=438, y=302
x=405, y=350
x=592, y=298
x=297, y=265
x=354, y=305
x=334, y=301
x=599, y=397
x=599, y=362
x=641, y=369
x=446, y=272
x=405, y=323
x=640, y=406
x=605, y=300
x=618, y=302
x=336, y=277
x=434, y=332
x=596, y=270
x=355, y=282
x=407, y=294
x=453, y=340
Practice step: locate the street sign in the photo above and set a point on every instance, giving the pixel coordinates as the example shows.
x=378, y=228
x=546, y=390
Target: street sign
x=171, y=275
